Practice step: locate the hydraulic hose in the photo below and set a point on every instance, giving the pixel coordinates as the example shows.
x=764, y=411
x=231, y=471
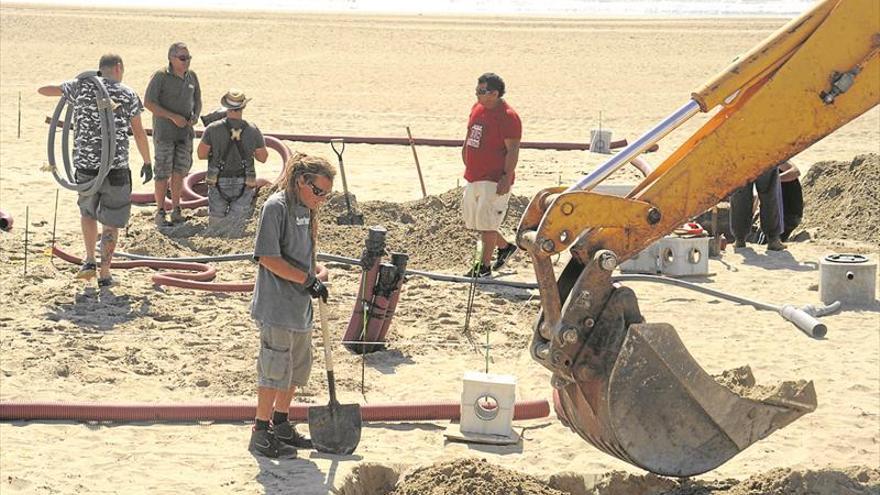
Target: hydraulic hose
x=5, y=221
x=427, y=411
x=108, y=139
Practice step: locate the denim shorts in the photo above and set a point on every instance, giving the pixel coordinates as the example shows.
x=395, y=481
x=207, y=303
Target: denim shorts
x=285, y=358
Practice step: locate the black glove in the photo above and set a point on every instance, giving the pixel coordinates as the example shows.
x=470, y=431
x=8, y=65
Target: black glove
x=316, y=288
x=147, y=172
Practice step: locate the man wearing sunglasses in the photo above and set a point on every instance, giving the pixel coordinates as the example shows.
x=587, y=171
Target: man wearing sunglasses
x=175, y=99
x=287, y=279
x=490, y=153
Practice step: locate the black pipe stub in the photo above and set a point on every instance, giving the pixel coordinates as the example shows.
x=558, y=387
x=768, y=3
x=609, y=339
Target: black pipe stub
x=846, y=258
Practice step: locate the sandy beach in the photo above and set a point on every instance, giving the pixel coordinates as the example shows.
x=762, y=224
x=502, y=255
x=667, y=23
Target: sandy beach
x=369, y=75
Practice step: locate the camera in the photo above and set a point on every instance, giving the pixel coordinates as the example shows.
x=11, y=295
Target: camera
x=214, y=116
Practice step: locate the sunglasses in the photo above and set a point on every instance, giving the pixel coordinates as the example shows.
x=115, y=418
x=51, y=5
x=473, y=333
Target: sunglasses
x=317, y=191
x=481, y=91
x=184, y=58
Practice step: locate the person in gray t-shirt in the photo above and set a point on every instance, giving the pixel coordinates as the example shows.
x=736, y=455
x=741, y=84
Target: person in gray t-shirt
x=231, y=145
x=287, y=279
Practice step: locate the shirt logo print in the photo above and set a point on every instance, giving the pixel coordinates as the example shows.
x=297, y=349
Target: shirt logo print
x=302, y=220
x=475, y=135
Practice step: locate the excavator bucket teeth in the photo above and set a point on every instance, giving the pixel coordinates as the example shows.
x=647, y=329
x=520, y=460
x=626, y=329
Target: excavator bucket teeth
x=658, y=409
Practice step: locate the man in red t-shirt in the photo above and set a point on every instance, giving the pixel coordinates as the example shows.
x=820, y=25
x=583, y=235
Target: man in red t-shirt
x=490, y=153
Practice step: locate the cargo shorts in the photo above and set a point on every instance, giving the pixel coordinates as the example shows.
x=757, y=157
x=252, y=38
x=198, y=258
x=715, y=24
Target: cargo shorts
x=111, y=204
x=285, y=358
x=172, y=157
x=482, y=208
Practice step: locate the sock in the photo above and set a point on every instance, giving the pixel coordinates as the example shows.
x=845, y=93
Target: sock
x=279, y=418
x=261, y=425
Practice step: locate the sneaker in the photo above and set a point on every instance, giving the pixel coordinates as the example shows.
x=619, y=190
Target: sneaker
x=105, y=282
x=775, y=245
x=176, y=215
x=264, y=443
x=160, y=219
x=478, y=271
x=87, y=271
x=503, y=254
x=286, y=433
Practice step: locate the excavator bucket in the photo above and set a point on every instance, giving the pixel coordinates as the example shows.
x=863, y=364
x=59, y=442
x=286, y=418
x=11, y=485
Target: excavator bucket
x=649, y=403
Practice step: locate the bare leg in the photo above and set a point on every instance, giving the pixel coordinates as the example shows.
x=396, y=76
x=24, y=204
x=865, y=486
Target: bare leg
x=265, y=402
x=160, y=186
x=90, y=236
x=283, y=399
x=108, y=247
x=490, y=240
x=176, y=189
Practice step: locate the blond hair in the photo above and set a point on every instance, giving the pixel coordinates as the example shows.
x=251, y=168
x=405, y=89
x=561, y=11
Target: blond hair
x=303, y=165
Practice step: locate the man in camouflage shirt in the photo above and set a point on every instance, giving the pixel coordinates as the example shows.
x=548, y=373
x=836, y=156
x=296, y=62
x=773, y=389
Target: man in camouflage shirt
x=111, y=204
x=175, y=99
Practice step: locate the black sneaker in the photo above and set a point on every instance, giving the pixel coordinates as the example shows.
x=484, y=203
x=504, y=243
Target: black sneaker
x=264, y=443
x=87, y=271
x=286, y=433
x=479, y=270
x=503, y=254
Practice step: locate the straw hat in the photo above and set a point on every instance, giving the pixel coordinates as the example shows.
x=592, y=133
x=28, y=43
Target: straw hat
x=234, y=99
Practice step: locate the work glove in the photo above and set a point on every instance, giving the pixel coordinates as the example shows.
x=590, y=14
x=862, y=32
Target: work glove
x=250, y=182
x=211, y=180
x=147, y=172
x=316, y=288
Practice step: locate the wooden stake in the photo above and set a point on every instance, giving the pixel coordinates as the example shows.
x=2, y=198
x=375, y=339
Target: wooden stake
x=54, y=223
x=26, y=226
x=412, y=145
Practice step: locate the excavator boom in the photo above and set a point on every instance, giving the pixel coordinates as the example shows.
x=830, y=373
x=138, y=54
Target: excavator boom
x=629, y=387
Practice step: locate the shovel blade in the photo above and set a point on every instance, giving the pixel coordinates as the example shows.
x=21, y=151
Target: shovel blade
x=335, y=428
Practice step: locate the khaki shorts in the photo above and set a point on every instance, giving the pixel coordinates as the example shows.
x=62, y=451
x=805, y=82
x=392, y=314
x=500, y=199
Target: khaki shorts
x=481, y=208
x=111, y=205
x=172, y=157
x=285, y=358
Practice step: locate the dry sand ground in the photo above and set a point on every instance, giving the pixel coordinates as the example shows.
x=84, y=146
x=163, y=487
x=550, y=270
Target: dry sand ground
x=364, y=75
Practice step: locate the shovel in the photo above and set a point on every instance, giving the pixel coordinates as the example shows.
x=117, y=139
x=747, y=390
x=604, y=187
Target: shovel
x=351, y=218
x=335, y=428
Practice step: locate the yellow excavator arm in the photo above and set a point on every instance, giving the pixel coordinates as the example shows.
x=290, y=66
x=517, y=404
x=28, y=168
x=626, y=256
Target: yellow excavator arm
x=628, y=387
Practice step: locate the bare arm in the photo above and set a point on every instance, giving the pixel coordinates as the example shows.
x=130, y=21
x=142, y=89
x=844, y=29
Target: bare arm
x=510, y=160
x=140, y=138
x=203, y=150
x=50, y=90
x=160, y=111
x=261, y=154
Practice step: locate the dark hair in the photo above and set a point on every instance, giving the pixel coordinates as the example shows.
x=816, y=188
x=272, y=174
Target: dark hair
x=109, y=61
x=176, y=47
x=493, y=82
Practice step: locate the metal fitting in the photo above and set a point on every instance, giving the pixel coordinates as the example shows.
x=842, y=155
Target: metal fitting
x=589, y=322
x=542, y=351
x=654, y=216
x=566, y=208
x=608, y=261
x=548, y=245
x=570, y=336
x=558, y=382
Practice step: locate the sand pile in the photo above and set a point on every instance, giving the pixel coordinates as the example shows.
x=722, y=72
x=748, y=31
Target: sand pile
x=430, y=230
x=469, y=476
x=841, y=199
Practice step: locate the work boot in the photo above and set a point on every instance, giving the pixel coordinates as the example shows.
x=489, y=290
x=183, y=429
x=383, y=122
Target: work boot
x=502, y=255
x=775, y=244
x=176, y=215
x=264, y=443
x=160, y=219
x=479, y=270
x=286, y=433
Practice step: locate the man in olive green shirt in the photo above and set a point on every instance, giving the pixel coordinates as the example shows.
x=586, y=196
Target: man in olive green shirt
x=175, y=99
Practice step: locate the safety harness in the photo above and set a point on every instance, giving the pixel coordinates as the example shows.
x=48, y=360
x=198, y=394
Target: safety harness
x=234, y=138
